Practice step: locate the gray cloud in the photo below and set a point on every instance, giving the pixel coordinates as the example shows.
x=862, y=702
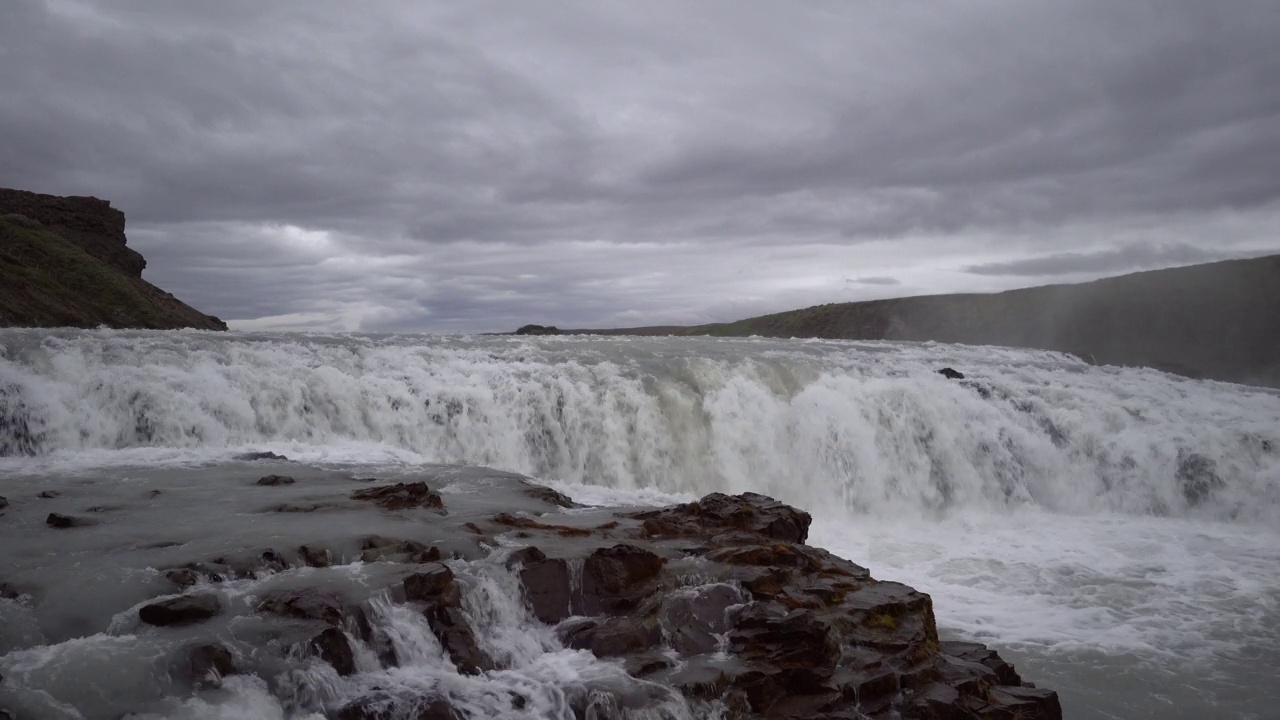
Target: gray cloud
x=1127, y=257
x=875, y=280
x=467, y=167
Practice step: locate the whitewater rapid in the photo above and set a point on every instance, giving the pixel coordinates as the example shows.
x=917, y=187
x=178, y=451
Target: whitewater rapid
x=1111, y=530
x=864, y=425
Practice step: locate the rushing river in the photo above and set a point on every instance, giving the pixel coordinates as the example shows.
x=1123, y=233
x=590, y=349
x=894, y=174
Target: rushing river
x=1113, y=532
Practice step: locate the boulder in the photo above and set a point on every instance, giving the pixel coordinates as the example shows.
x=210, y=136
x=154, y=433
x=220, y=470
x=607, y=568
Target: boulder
x=181, y=610
x=332, y=646
x=62, y=522
x=275, y=480
x=306, y=604
x=951, y=374
x=205, y=665
x=401, y=496
x=717, y=513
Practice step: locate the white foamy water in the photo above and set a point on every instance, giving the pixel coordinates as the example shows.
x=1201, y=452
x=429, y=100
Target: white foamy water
x=1113, y=531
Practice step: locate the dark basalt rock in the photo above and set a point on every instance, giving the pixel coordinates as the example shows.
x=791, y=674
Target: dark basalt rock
x=275, y=480
x=390, y=708
x=4, y=503
x=252, y=456
x=205, y=665
x=716, y=513
x=332, y=646
x=58, y=520
x=182, y=610
x=441, y=598
x=49, y=494
x=951, y=374
x=316, y=557
x=719, y=600
x=379, y=549
x=549, y=496
x=401, y=496
x=307, y=604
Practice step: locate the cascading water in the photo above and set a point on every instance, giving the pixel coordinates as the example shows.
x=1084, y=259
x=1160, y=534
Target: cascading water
x=1111, y=529
x=868, y=425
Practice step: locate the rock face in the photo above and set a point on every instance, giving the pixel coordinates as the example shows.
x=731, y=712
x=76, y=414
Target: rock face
x=717, y=605
x=86, y=222
x=64, y=262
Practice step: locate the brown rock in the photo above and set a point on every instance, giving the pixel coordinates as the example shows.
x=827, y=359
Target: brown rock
x=206, y=665
x=57, y=520
x=332, y=646
x=432, y=584
x=182, y=610
x=401, y=496
x=316, y=557
x=614, y=578
x=717, y=512
x=306, y=604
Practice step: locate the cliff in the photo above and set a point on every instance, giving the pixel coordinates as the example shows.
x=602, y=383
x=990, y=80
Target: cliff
x=64, y=262
x=1218, y=320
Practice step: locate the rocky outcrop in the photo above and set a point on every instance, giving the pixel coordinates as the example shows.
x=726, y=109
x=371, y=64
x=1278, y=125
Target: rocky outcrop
x=86, y=222
x=718, y=606
x=538, y=330
x=64, y=262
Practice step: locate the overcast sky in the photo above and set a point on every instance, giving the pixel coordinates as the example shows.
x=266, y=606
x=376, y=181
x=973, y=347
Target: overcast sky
x=473, y=166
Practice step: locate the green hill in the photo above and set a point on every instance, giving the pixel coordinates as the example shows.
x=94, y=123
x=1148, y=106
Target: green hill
x=1218, y=320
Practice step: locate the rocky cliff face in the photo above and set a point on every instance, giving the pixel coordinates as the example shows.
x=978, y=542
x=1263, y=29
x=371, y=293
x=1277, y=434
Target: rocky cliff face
x=64, y=262
x=86, y=222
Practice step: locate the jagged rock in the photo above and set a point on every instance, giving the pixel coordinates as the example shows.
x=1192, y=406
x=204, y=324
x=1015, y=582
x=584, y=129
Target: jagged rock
x=4, y=503
x=275, y=480
x=376, y=548
x=546, y=584
x=549, y=496
x=306, y=604
x=811, y=635
x=431, y=585
x=58, y=520
x=614, y=578
x=401, y=496
x=951, y=374
x=749, y=512
x=206, y=665
x=316, y=557
x=442, y=600
x=182, y=610
x=332, y=646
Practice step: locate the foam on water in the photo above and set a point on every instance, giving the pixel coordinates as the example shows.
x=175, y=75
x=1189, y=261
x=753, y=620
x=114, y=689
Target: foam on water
x=1112, y=530
x=870, y=426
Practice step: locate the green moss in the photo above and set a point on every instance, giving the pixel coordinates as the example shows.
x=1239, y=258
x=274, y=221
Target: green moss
x=882, y=620
x=45, y=280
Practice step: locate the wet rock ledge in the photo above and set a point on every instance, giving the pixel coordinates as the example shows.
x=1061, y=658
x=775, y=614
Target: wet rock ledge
x=717, y=605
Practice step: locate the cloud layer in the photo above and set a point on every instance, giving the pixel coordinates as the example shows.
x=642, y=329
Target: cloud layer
x=471, y=167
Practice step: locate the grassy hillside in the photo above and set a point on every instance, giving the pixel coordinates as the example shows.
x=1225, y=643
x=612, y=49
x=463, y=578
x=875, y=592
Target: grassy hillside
x=46, y=281
x=1218, y=320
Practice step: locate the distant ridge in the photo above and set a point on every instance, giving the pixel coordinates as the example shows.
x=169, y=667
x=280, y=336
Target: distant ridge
x=64, y=263
x=1217, y=320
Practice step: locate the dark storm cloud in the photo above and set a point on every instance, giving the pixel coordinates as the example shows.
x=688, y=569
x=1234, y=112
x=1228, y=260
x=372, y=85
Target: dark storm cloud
x=473, y=166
